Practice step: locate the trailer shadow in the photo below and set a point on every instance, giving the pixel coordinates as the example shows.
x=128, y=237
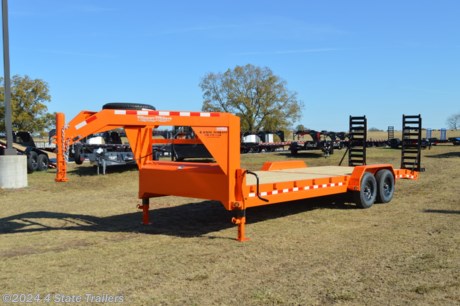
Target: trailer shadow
x=442, y=211
x=445, y=155
x=92, y=170
x=302, y=155
x=188, y=220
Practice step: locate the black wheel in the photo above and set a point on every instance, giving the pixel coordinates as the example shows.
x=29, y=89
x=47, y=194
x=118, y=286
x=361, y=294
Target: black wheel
x=368, y=193
x=77, y=155
x=135, y=106
x=385, y=185
x=32, y=162
x=156, y=155
x=42, y=162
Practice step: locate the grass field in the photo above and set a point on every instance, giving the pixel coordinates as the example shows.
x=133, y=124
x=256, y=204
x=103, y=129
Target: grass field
x=85, y=237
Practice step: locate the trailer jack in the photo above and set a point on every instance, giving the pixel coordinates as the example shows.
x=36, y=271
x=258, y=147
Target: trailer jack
x=145, y=211
x=240, y=220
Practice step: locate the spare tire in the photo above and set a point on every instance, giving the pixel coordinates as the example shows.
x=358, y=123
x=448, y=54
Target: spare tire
x=122, y=105
x=78, y=154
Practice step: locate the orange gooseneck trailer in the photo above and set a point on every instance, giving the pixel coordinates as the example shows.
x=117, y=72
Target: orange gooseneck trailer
x=222, y=180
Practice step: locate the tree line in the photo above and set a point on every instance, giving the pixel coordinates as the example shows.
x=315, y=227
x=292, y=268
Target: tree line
x=28, y=105
x=255, y=94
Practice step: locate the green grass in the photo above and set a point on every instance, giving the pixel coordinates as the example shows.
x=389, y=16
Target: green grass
x=85, y=236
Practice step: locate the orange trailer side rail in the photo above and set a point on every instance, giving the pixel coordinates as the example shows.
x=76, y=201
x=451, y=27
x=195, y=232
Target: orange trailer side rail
x=222, y=180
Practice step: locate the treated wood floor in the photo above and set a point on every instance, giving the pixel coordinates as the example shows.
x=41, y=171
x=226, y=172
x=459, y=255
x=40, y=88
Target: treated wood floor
x=267, y=177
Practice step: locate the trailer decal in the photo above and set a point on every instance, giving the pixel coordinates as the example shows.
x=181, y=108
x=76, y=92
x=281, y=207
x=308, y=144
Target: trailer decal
x=154, y=118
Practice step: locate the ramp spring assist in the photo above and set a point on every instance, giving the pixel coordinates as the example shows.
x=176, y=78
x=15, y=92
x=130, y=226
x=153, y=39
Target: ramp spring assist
x=257, y=184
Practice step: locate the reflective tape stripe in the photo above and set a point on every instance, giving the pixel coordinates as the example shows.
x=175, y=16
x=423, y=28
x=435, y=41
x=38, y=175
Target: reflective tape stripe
x=165, y=113
x=83, y=123
x=80, y=125
x=406, y=176
x=295, y=189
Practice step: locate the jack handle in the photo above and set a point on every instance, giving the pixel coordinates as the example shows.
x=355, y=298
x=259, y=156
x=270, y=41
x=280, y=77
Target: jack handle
x=257, y=184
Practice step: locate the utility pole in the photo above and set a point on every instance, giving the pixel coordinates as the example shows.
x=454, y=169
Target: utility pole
x=13, y=167
x=6, y=64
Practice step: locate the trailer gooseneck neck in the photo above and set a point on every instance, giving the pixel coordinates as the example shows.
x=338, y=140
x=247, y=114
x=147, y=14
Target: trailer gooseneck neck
x=222, y=180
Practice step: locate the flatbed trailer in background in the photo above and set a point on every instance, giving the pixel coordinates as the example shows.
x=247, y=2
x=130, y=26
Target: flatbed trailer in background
x=263, y=141
x=102, y=151
x=38, y=159
x=324, y=141
x=223, y=179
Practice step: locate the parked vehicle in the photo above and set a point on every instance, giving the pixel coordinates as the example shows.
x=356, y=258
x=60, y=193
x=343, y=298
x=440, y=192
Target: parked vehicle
x=455, y=140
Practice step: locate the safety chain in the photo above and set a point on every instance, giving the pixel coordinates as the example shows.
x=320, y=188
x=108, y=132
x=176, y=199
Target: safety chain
x=65, y=145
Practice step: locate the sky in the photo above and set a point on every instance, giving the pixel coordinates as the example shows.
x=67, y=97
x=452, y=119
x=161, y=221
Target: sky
x=381, y=58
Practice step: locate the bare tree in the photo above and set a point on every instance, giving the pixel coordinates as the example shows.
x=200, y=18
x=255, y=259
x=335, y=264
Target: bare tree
x=453, y=122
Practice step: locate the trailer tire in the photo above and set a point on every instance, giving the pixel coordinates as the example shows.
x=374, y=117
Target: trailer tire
x=77, y=155
x=133, y=106
x=366, y=196
x=42, y=162
x=32, y=161
x=385, y=186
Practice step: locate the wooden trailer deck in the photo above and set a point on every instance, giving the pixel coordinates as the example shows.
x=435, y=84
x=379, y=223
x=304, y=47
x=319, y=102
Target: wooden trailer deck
x=298, y=174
